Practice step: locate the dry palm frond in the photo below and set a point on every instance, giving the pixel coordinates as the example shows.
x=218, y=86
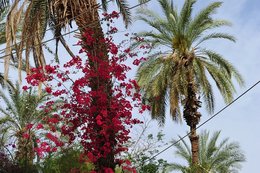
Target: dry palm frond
x=83, y=12
x=12, y=27
x=35, y=21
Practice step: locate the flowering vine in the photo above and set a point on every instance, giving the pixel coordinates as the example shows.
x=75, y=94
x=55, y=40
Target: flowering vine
x=99, y=113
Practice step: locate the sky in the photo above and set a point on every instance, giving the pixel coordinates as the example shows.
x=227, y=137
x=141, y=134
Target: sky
x=240, y=121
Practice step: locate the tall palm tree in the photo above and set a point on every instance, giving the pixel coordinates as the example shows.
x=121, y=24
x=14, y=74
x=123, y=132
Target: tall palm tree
x=21, y=108
x=59, y=13
x=180, y=71
x=215, y=157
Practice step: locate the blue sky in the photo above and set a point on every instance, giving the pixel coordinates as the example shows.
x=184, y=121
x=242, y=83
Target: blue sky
x=240, y=122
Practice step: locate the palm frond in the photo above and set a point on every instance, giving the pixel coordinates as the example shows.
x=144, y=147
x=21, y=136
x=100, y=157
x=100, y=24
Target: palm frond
x=223, y=156
x=5, y=83
x=185, y=14
x=157, y=94
x=169, y=11
x=204, y=84
x=9, y=104
x=124, y=10
x=222, y=81
x=9, y=120
x=212, y=144
x=204, y=16
x=3, y=14
x=216, y=36
x=183, y=150
x=148, y=69
x=3, y=5
x=104, y=4
x=224, y=64
x=203, y=21
x=36, y=11
x=176, y=167
x=153, y=20
x=10, y=36
x=163, y=39
x=175, y=105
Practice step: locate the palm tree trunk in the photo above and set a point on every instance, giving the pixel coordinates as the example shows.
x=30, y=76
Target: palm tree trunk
x=194, y=139
x=25, y=153
x=89, y=20
x=191, y=115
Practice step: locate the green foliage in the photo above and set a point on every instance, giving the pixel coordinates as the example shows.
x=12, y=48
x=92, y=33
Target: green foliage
x=10, y=166
x=217, y=157
x=65, y=160
x=164, y=77
x=154, y=166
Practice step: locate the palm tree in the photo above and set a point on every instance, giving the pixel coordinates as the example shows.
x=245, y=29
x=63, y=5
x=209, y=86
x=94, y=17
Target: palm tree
x=60, y=13
x=182, y=71
x=21, y=109
x=214, y=157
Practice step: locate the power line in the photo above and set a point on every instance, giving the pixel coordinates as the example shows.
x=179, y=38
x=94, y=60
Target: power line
x=209, y=119
x=46, y=41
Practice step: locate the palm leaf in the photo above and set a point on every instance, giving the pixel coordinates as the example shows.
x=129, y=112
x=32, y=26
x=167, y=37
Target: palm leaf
x=223, y=156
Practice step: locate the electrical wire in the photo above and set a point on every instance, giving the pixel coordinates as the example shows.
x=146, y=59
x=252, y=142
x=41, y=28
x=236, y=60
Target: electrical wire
x=209, y=119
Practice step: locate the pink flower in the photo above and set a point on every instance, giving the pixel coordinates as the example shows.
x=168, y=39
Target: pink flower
x=127, y=50
x=25, y=88
x=109, y=170
x=48, y=89
x=39, y=126
x=114, y=50
x=136, y=62
x=26, y=135
x=29, y=126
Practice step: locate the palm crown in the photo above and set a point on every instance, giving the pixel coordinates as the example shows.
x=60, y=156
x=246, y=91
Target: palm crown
x=21, y=109
x=166, y=74
x=36, y=16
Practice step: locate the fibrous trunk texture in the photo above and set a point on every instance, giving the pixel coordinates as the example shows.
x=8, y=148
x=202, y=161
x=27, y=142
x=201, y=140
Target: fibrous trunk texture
x=25, y=150
x=192, y=116
x=87, y=19
x=194, y=139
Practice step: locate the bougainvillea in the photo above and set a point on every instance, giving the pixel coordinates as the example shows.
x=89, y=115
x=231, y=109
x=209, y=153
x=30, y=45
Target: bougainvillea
x=99, y=118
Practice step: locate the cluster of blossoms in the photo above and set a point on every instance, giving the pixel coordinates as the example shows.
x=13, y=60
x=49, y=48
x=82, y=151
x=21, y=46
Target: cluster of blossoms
x=97, y=108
